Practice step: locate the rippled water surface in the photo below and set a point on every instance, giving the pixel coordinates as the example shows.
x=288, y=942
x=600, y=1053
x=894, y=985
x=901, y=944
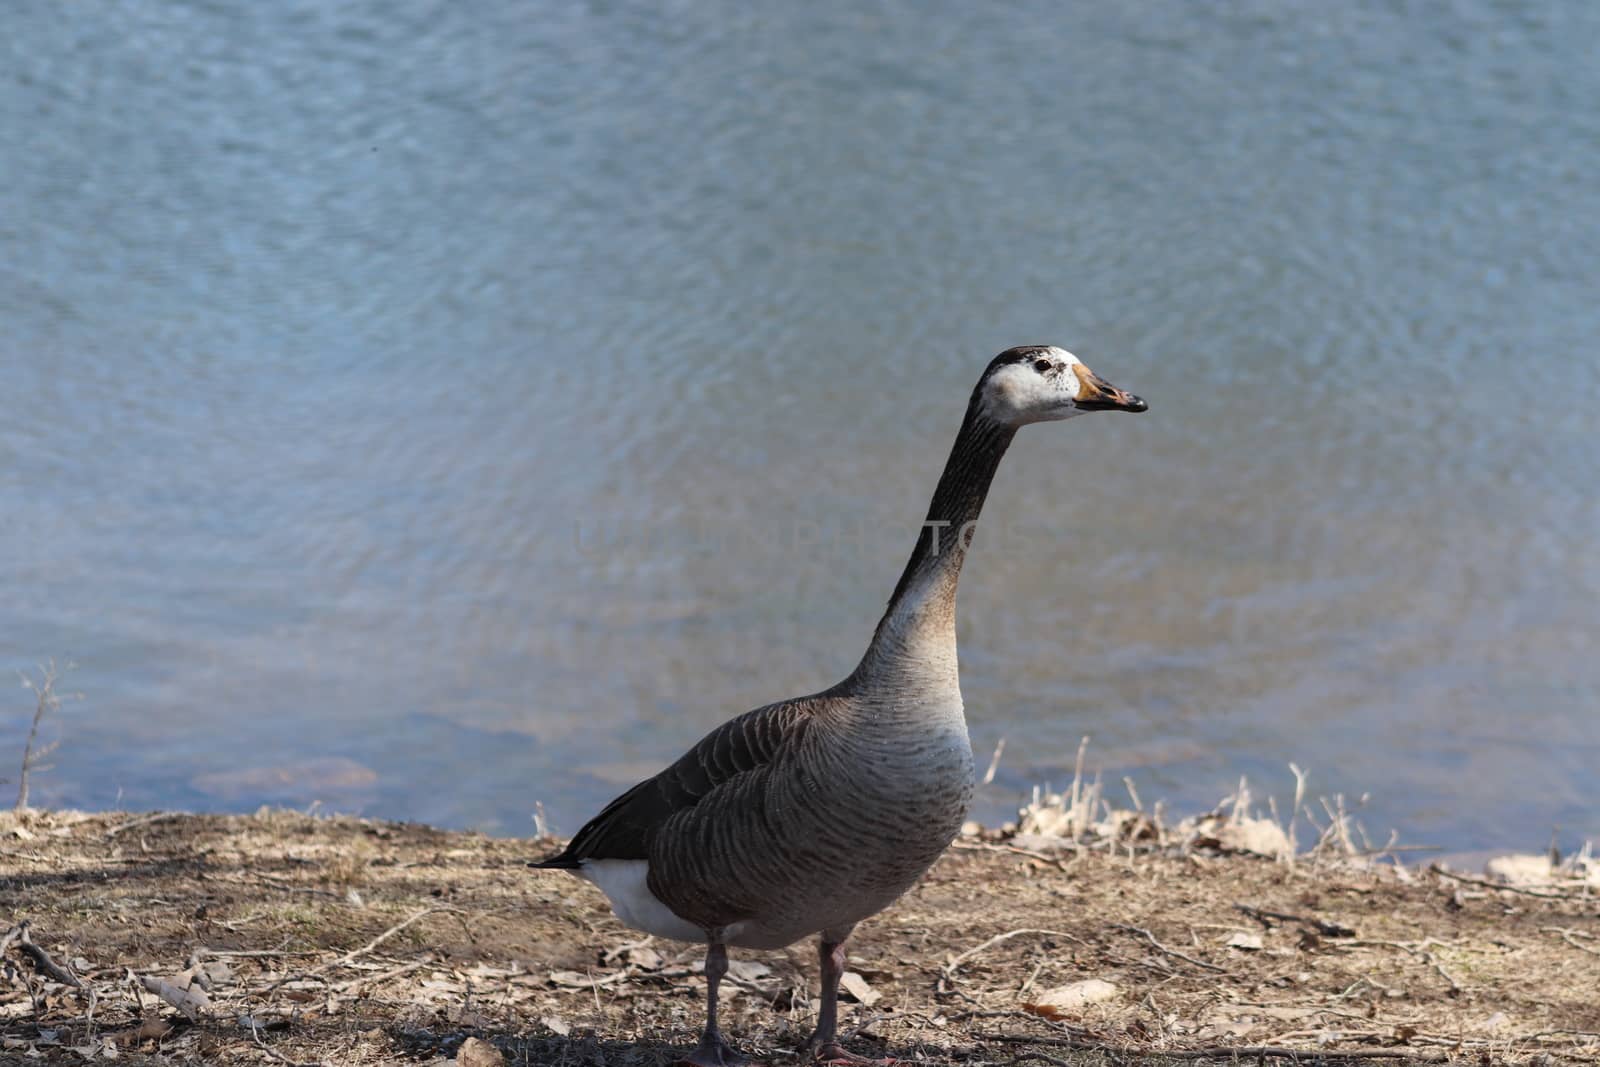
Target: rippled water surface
x=432, y=409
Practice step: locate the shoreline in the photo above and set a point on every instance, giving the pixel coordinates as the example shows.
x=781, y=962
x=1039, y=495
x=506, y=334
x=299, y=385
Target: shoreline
x=342, y=940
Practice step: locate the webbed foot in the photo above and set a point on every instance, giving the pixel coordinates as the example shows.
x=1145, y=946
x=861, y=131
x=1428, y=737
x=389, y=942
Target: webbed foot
x=833, y=1054
x=713, y=1052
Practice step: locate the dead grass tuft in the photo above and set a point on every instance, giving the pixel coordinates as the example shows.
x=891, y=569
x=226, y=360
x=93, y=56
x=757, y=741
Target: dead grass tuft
x=47, y=701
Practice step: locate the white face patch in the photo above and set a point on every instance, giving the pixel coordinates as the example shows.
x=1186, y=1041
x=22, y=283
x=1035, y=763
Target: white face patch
x=1036, y=390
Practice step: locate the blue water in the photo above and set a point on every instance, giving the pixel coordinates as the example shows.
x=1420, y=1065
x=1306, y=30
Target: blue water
x=434, y=410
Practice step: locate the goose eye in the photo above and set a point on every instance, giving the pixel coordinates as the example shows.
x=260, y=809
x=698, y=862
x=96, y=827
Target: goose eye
x=1043, y=366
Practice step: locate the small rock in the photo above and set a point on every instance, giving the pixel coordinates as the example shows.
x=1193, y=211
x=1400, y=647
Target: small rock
x=1069, y=1000
x=476, y=1053
x=556, y=1025
x=1245, y=942
x=971, y=828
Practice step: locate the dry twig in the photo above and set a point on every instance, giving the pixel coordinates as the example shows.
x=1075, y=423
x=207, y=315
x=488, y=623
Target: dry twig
x=143, y=820
x=949, y=968
x=255, y=1032
x=994, y=762
x=1567, y=935
x=1015, y=850
x=1420, y=951
x=46, y=700
x=1326, y=929
x=41, y=959
x=1504, y=887
x=381, y=938
x=1164, y=950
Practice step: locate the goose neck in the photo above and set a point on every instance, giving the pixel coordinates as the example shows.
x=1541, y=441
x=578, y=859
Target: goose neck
x=919, y=623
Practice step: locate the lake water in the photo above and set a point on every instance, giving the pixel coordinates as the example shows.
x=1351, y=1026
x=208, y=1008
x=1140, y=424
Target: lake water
x=435, y=409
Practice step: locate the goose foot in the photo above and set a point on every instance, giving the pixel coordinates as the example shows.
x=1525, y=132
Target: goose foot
x=833, y=1054
x=713, y=1052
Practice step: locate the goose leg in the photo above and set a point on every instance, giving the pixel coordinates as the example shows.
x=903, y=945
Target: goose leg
x=713, y=1051
x=824, y=1049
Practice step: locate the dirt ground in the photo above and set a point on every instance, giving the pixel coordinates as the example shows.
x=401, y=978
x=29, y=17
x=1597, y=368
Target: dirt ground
x=288, y=939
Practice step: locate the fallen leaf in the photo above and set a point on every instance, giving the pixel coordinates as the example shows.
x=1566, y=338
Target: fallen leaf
x=1069, y=1000
x=747, y=970
x=857, y=987
x=104, y=1048
x=217, y=971
x=264, y=1023
x=437, y=985
x=556, y=1025
x=644, y=957
x=191, y=1000
x=1244, y=941
x=571, y=979
x=151, y=1029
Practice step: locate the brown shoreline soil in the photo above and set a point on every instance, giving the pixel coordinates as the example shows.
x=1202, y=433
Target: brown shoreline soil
x=357, y=941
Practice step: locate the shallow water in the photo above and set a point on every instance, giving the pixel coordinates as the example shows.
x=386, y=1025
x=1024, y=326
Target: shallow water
x=437, y=409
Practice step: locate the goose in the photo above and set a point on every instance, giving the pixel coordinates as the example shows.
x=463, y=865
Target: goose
x=809, y=815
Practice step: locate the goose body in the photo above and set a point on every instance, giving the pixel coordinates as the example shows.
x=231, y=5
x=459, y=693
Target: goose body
x=809, y=815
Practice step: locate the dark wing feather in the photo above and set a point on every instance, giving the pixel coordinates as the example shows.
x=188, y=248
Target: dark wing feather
x=625, y=828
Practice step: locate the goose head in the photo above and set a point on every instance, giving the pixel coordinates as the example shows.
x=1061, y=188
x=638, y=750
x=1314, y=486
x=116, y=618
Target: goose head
x=1043, y=383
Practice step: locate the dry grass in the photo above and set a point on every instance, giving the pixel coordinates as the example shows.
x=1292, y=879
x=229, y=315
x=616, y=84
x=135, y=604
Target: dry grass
x=350, y=941
x=47, y=701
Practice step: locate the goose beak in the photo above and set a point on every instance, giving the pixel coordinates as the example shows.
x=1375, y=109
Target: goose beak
x=1097, y=394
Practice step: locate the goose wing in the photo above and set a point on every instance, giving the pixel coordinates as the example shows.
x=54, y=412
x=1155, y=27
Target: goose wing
x=740, y=747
